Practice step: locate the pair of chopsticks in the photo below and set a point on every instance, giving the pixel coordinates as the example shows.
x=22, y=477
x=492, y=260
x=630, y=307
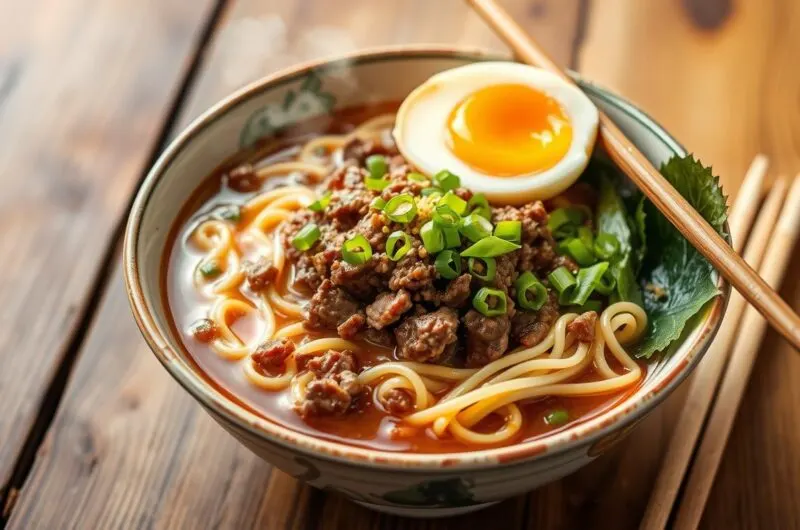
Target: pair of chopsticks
x=674, y=207
x=741, y=332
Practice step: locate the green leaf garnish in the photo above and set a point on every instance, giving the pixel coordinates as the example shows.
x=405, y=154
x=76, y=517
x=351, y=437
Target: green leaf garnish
x=677, y=279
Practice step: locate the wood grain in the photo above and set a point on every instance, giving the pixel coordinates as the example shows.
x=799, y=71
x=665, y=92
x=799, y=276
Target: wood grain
x=83, y=96
x=129, y=448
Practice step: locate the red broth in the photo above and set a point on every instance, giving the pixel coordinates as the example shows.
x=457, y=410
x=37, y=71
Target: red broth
x=368, y=425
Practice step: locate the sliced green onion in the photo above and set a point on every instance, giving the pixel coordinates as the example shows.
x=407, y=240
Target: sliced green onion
x=394, y=252
x=452, y=239
x=210, y=269
x=376, y=184
x=320, y=204
x=605, y=285
x=564, y=283
x=564, y=216
x=432, y=237
x=417, y=177
x=377, y=167
x=606, y=246
x=585, y=235
x=509, y=230
x=490, y=302
x=577, y=249
x=479, y=205
x=556, y=417
x=230, y=213
x=531, y=293
x=475, y=227
x=445, y=216
x=431, y=192
x=446, y=180
x=587, y=281
x=377, y=203
x=455, y=202
x=490, y=247
x=448, y=264
x=356, y=250
x=483, y=268
x=401, y=208
x=306, y=237
x=565, y=232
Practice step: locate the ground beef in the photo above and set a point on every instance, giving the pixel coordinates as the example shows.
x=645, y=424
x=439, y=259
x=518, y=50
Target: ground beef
x=346, y=209
x=243, y=179
x=584, y=326
x=348, y=177
x=306, y=276
x=334, y=387
x=357, y=150
x=565, y=261
x=387, y=308
x=259, y=273
x=352, y=326
x=398, y=402
x=506, y=270
x=382, y=337
x=204, y=330
x=426, y=337
x=412, y=273
x=272, y=354
x=487, y=337
x=330, y=307
x=364, y=281
x=458, y=292
x=530, y=328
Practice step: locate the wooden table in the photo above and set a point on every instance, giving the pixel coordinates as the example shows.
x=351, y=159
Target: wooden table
x=95, y=434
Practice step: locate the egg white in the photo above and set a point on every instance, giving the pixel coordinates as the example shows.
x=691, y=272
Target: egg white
x=421, y=125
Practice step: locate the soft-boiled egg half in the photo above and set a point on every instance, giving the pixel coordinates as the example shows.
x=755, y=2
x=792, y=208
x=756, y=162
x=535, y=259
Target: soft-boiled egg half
x=511, y=131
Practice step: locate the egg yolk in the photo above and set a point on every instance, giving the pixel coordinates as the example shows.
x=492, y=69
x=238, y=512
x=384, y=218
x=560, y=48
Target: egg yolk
x=509, y=130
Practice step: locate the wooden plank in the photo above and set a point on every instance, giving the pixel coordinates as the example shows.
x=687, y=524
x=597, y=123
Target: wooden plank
x=720, y=76
x=129, y=448
x=85, y=88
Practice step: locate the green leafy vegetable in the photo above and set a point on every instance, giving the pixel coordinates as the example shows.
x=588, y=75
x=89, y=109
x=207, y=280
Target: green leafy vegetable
x=677, y=280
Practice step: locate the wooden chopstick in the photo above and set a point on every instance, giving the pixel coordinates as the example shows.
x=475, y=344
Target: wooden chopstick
x=705, y=380
x=737, y=373
x=674, y=207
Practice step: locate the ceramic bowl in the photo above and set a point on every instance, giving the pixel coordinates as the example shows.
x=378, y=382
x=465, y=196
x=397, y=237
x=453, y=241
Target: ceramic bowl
x=407, y=484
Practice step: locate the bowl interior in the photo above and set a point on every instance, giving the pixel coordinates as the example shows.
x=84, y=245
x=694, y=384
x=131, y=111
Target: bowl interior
x=264, y=107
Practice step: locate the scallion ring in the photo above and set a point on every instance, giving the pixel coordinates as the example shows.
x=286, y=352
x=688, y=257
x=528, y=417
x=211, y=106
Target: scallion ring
x=306, y=237
x=417, y=177
x=509, y=230
x=577, y=250
x=479, y=205
x=210, y=269
x=490, y=302
x=401, y=208
x=394, y=252
x=356, y=250
x=455, y=202
x=448, y=264
x=475, y=227
x=432, y=237
x=377, y=167
x=320, y=204
x=445, y=216
x=446, y=181
x=587, y=280
x=452, y=239
x=531, y=293
x=483, y=268
x=564, y=283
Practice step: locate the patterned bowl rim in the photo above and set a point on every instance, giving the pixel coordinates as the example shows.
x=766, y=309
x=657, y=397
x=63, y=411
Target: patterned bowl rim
x=600, y=429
